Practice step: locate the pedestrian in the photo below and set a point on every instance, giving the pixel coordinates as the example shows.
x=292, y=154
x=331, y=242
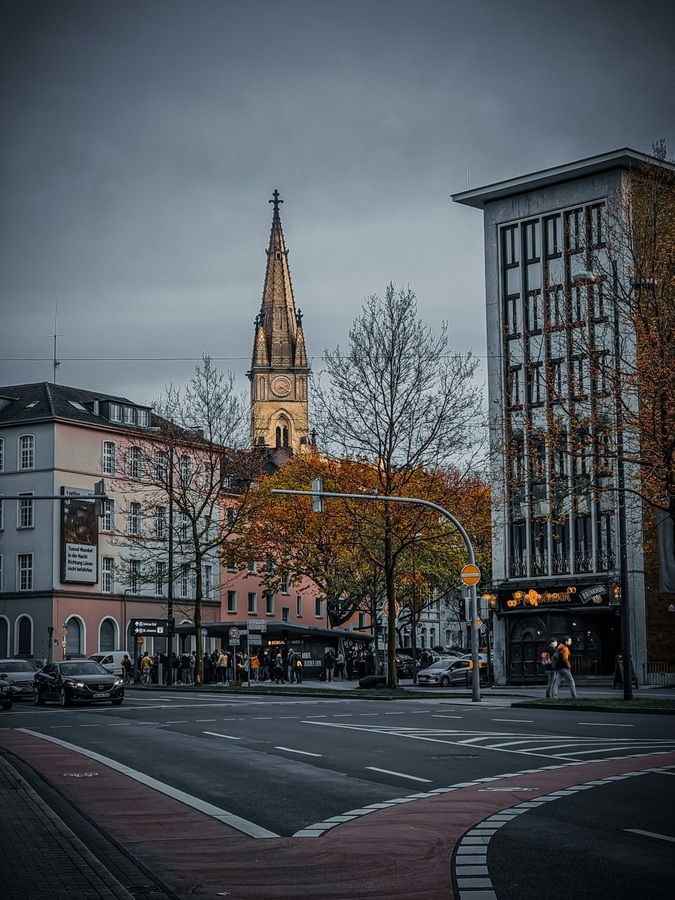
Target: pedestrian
x=127, y=669
x=221, y=667
x=278, y=669
x=349, y=662
x=548, y=658
x=340, y=665
x=563, y=669
x=193, y=666
x=329, y=663
x=255, y=667
x=298, y=668
x=185, y=667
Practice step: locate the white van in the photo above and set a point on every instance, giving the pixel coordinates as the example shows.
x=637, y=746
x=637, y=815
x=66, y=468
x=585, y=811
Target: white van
x=110, y=660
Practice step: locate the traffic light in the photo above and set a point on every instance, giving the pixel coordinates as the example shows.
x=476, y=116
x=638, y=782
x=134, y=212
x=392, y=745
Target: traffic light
x=317, y=499
x=462, y=609
x=99, y=489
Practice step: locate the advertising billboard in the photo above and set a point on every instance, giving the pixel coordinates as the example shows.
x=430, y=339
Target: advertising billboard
x=79, y=537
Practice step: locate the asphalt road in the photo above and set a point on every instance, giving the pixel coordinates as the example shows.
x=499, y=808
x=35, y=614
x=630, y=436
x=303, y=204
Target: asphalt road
x=282, y=764
x=292, y=767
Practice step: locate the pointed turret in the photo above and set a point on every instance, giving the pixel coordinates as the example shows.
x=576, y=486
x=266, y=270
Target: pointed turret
x=279, y=369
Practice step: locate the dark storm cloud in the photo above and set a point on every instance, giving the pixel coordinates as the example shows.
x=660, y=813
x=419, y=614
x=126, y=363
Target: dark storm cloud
x=142, y=140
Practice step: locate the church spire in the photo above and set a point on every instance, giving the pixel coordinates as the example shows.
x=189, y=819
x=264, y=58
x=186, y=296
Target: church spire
x=279, y=369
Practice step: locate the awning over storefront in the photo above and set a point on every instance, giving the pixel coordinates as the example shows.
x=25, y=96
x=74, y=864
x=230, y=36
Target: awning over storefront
x=274, y=630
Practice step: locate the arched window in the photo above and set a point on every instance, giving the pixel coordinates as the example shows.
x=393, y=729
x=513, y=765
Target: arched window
x=282, y=433
x=74, y=638
x=4, y=636
x=26, y=452
x=106, y=638
x=24, y=635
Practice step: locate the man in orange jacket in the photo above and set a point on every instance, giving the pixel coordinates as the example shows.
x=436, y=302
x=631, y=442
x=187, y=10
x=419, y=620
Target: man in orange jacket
x=564, y=669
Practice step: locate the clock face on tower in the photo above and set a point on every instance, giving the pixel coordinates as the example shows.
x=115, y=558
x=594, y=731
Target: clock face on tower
x=281, y=386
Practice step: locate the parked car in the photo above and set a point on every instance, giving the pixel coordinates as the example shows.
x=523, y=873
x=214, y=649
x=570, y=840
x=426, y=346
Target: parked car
x=111, y=660
x=75, y=681
x=449, y=671
x=20, y=674
x=6, y=694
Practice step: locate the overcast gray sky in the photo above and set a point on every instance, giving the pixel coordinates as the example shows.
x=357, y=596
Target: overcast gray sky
x=142, y=139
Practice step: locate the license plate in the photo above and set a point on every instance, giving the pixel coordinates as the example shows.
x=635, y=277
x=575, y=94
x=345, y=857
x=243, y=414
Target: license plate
x=102, y=694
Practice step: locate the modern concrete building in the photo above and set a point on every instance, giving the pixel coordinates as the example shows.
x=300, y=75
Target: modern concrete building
x=550, y=324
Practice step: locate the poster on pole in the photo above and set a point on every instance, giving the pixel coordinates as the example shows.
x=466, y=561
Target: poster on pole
x=79, y=537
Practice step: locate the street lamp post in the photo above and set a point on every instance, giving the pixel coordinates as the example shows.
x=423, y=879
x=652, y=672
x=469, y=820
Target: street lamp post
x=414, y=611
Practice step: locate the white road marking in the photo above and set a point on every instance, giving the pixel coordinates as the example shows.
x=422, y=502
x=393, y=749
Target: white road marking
x=399, y=774
x=527, y=721
x=302, y=752
x=222, y=815
x=659, y=837
x=228, y=737
x=606, y=724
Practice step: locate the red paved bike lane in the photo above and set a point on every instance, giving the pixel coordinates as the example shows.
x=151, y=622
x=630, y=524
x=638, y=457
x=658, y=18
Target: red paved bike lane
x=402, y=850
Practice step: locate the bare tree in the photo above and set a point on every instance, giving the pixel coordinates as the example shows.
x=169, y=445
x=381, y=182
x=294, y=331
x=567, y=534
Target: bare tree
x=397, y=399
x=186, y=483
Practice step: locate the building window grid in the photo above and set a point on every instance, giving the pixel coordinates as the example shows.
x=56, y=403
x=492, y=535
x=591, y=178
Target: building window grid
x=134, y=519
x=252, y=603
x=582, y=227
x=108, y=518
x=26, y=452
x=232, y=601
x=2, y=454
x=109, y=458
x=25, y=512
x=107, y=575
x=25, y=571
x=298, y=606
x=160, y=577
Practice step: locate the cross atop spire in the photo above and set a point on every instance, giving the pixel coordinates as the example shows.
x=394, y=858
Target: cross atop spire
x=276, y=201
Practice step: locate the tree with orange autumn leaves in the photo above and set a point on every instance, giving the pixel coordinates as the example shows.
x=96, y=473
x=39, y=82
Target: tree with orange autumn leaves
x=341, y=549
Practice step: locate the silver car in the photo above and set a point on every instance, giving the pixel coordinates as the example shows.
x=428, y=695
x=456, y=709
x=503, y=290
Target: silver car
x=445, y=672
x=20, y=675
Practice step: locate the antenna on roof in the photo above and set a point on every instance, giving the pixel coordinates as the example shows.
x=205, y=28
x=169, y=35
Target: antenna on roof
x=56, y=362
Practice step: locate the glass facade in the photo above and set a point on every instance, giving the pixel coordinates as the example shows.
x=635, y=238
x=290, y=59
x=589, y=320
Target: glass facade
x=558, y=414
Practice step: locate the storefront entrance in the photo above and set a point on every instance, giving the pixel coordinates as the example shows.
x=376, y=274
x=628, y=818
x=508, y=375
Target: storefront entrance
x=595, y=642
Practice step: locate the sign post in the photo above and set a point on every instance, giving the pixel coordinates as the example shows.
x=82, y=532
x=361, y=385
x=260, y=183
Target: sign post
x=470, y=576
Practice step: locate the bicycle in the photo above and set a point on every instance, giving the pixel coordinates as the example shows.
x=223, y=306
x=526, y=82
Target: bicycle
x=146, y=677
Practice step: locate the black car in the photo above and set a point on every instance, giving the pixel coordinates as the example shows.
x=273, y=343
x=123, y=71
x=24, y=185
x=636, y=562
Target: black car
x=6, y=694
x=21, y=674
x=74, y=681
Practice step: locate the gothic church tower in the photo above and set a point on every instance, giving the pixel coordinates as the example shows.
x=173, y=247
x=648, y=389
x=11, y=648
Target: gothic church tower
x=279, y=369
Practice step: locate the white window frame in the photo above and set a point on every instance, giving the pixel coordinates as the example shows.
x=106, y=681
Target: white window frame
x=252, y=606
x=0, y=573
x=135, y=576
x=232, y=601
x=25, y=452
x=207, y=581
x=108, y=517
x=135, y=462
x=160, y=577
x=24, y=567
x=269, y=604
x=25, y=511
x=108, y=457
x=298, y=606
x=2, y=454
x=318, y=607
x=161, y=513
x=107, y=575
x=134, y=519
x=286, y=584
x=252, y=567
x=184, y=582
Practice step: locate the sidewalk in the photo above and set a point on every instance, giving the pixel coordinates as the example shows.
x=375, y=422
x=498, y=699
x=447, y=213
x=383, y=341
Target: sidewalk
x=41, y=856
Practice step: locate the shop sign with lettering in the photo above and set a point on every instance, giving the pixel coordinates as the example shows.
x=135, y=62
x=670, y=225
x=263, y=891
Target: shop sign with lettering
x=594, y=595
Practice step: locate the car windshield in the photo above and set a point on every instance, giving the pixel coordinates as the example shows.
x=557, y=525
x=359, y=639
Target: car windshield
x=87, y=667
x=441, y=664
x=16, y=665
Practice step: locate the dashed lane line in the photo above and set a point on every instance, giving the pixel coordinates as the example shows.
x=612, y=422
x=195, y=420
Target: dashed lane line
x=399, y=774
x=653, y=834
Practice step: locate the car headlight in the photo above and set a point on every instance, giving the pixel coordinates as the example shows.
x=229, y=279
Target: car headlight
x=75, y=684
x=118, y=682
